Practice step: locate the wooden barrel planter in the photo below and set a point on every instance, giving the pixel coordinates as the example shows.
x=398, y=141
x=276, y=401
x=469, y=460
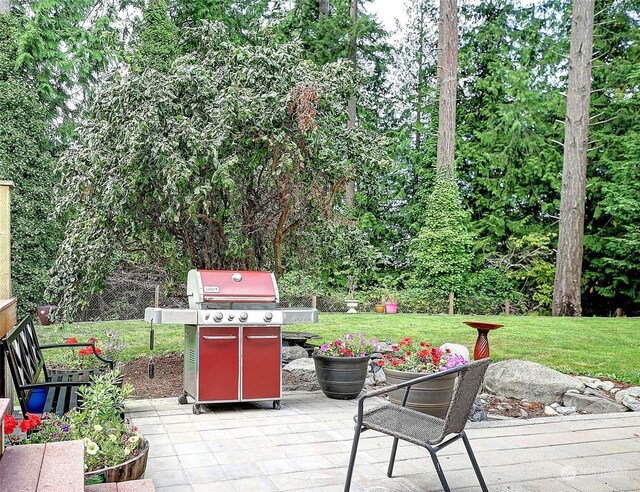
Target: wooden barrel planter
x=341, y=378
x=131, y=469
x=431, y=397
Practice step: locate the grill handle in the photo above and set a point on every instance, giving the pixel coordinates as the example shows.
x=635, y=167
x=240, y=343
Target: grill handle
x=252, y=337
x=222, y=337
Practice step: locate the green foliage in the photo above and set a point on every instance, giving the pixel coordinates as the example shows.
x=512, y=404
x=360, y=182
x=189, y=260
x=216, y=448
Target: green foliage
x=25, y=159
x=65, y=44
x=158, y=39
x=223, y=159
x=612, y=236
x=441, y=254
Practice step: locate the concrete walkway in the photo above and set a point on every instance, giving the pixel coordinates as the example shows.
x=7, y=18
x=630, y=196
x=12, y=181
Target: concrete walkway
x=305, y=446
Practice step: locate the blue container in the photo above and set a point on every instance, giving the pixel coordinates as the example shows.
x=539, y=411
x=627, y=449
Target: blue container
x=36, y=400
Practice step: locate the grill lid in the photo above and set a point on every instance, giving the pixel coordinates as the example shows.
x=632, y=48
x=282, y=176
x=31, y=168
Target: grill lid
x=230, y=286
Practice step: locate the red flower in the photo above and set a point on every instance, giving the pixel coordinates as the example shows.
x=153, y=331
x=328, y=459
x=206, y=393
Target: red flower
x=84, y=351
x=406, y=341
x=10, y=423
x=31, y=422
x=98, y=351
x=71, y=340
x=380, y=363
x=92, y=339
x=394, y=348
x=395, y=362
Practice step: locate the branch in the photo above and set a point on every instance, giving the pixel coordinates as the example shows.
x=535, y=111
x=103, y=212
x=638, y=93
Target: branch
x=559, y=143
x=603, y=121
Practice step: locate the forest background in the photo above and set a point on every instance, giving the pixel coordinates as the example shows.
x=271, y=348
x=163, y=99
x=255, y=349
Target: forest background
x=216, y=134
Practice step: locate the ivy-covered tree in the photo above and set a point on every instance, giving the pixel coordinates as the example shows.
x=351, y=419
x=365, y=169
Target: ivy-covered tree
x=223, y=158
x=157, y=40
x=25, y=159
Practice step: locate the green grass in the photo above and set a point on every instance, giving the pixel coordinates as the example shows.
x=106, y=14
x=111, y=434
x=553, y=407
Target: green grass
x=603, y=347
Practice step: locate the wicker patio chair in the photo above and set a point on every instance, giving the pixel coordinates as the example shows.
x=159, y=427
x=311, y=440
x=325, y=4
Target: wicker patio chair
x=419, y=428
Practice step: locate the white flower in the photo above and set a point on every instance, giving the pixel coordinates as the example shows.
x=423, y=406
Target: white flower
x=92, y=448
x=112, y=437
x=97, y=427
x=127, y=451
x=134, y=439
x=87, y=441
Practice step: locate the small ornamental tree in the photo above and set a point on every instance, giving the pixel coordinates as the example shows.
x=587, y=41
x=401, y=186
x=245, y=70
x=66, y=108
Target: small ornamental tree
x=441, y=255
x=213, y=164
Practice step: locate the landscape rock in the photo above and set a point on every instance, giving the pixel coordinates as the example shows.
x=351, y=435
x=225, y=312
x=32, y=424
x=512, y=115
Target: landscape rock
x=592, y=404
x=478, y=413
x=304, y=369
x=550, y=411
x=379, y=377
x=456, y=348
x=529, y=380
x=566, y=410
x=605, y=385
x=292, y=353
x=590, y=382
x=630, y=398
x=593, y=392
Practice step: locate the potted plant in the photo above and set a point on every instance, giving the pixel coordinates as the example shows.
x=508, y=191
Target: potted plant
x=391, y=304
x=410, y=360
x=342, y=365
x=114, y=450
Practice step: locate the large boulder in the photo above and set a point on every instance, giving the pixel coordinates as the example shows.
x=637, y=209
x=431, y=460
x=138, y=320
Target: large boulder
x=304, y=375
x=592, y=404
x=292, y=353
x=529, y=381
x=455, y=348
x=630, y=398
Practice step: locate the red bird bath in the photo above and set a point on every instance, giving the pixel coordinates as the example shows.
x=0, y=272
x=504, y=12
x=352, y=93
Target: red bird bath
x=481, y=350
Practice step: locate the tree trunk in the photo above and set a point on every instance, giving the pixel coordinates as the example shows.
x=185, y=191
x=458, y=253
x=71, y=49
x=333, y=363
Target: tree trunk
x=447, y=78
x=5, y=6
x=566, y=287
x=350, y=192
x=323, y=7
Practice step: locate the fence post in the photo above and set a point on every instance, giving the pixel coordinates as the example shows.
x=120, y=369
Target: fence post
x=451, y=299
x=7, y=303
x=157, y=297
x=507, y=307
x=314, y=301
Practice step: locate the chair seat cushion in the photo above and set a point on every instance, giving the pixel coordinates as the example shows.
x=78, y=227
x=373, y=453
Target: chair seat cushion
x=404, y=423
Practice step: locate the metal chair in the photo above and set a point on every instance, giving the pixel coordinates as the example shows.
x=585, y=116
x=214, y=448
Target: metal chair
x=419, y=428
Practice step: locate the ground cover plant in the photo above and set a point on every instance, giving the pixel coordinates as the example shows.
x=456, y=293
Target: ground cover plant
x=602, y=347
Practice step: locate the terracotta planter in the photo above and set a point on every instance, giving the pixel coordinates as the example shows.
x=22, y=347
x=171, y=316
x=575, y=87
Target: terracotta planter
x=341, y=378
x=379, y=308
x=431, y=397
x=131, y=469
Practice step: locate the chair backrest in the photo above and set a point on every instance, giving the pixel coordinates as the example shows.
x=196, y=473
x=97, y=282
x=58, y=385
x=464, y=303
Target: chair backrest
x=464, y=394
x=24, y=357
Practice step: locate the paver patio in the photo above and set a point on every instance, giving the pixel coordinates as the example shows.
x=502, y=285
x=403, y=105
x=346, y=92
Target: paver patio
x=305, y=446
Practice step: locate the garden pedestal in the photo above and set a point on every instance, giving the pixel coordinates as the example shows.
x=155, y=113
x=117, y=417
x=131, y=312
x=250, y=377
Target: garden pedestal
x=481, y=350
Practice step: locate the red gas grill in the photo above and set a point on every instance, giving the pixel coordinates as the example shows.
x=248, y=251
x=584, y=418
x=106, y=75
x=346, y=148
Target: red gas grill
x=232, y=336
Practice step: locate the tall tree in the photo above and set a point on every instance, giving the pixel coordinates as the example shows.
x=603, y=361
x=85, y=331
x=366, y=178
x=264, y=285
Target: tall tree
x=448, y=80
x=350, y=192
x=567, y=289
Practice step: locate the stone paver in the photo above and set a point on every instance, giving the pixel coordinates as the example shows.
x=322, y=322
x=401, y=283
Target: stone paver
x=305, y=447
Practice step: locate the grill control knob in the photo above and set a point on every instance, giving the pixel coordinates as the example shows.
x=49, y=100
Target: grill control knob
x=268, y=316
x=243, y=316
x=218, y=316
x=207, y=315
x=230, y=316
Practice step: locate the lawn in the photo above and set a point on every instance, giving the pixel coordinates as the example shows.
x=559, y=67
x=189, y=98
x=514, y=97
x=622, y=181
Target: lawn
x=602, y=347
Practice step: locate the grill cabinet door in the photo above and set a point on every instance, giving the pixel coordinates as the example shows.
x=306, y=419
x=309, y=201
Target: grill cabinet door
x=218, y=364
x=261, y=363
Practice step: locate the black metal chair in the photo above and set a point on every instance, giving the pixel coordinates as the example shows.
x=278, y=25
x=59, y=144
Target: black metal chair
x=419, y=428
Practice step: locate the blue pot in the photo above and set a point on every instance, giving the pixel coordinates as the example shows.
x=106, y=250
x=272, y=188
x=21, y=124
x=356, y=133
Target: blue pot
x=36, y=400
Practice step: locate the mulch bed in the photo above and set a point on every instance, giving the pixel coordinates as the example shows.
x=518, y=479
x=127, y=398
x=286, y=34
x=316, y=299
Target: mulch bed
x=168, y=383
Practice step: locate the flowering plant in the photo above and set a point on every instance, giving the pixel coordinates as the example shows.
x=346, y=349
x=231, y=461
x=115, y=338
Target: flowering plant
x=420, y=357
x=108, y=439
x=349, y=346
x=76, y=357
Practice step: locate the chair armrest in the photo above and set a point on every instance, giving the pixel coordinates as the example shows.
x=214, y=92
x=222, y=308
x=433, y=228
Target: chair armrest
x=80, y=344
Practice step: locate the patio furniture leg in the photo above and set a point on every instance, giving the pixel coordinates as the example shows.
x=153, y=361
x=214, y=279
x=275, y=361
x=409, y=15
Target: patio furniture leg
x=436, y=463
x=392, y=459
x=352, y=459
x=472, y=457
